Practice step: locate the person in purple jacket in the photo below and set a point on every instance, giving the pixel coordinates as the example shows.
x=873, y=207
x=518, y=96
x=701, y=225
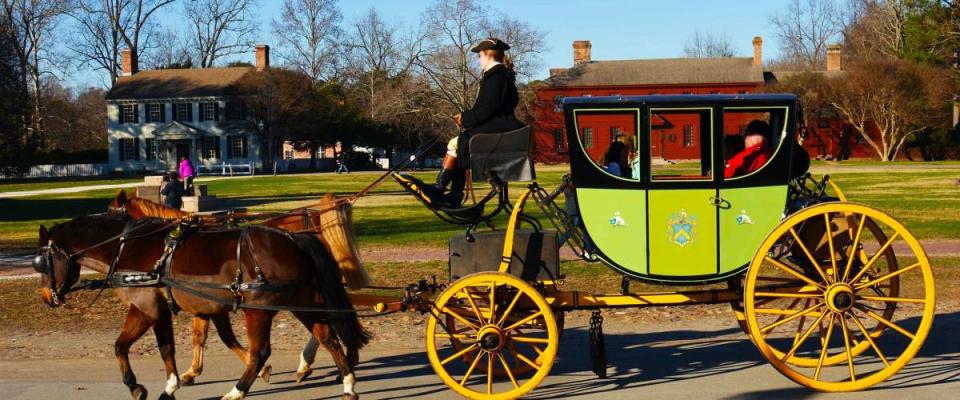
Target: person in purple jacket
x=187, y=172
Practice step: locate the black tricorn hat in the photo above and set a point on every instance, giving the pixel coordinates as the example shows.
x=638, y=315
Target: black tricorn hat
x=490, y=43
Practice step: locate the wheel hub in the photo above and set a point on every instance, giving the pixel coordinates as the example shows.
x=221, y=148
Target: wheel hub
x=840, y=297
x=491, y=339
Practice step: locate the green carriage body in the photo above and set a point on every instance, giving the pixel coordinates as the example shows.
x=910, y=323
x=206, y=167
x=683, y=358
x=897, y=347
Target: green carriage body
x=680, y=223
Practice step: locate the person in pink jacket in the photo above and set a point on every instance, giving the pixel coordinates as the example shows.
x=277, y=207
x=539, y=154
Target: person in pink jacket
x=187, y=172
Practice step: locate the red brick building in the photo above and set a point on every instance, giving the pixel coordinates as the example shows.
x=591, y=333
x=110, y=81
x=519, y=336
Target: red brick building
x=674, y=139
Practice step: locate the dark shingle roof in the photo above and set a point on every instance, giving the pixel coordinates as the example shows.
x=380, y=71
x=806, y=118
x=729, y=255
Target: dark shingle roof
x=668, y=71
x=174, y=83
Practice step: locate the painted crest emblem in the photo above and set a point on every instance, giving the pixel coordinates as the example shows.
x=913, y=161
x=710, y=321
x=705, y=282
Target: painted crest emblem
x=683, y=228
x=616, y=220
x=744, y=219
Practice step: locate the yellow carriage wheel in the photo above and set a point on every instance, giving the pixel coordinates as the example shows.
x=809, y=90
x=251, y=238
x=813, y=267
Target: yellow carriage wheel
x=815, y=241
x=817, y=301
x=503, y=323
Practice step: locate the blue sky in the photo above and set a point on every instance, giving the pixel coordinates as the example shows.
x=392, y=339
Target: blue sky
x=618, y=29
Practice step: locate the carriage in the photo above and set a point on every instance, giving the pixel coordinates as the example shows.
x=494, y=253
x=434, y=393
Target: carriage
x=837, y=296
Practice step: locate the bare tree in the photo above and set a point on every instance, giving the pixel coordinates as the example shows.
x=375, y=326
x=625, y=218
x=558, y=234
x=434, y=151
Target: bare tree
x=170, y=51
x=708, y=45
x=806, y=28
x=33, y=23
x=309, y=33
x=220, y=28
x=104, y=27
x=878, y=30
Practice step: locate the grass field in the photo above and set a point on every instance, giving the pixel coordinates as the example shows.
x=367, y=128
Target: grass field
x=924, y=196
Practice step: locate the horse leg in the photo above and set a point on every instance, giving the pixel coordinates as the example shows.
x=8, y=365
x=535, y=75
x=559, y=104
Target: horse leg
x=329, y=341
x=134, y=327
x=200, y=328
x=307, y=356
x=225, y=331
x=163, y=330
x=258, y=334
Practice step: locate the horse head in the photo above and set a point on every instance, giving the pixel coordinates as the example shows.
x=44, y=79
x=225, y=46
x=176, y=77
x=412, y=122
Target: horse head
x=60, y=248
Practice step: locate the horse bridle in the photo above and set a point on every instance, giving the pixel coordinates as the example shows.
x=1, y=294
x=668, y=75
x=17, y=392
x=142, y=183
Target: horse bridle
x=43, y=264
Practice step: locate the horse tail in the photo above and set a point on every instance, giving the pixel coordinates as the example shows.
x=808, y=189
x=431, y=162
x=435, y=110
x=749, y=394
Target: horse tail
x=345, y=325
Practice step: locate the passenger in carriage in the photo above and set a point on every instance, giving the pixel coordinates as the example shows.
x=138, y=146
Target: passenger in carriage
x=491, y=113
x=615, y=159
x=755, y=154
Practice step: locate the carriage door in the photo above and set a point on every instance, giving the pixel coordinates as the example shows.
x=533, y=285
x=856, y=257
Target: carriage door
x=681, y=216
x=753, y=199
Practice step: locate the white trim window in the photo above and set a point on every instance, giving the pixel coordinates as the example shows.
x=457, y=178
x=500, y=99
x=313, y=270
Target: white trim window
x=128, y=113
x=236, y=146
x=155, y=112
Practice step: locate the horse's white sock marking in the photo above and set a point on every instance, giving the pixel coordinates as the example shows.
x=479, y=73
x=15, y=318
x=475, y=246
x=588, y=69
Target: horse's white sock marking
x=304, y=365
x=173, y=383
x=348, y=382
x=235, y=394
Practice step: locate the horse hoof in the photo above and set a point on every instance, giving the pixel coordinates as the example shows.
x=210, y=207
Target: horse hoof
x=234, y=395
x=348, y=396
x=139, y=393
x=187, y=379
x=301, y=375
x=265, y=373
x=165, y=396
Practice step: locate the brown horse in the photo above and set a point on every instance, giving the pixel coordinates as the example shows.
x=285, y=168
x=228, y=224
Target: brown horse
x=331, y=222
x=300, y=270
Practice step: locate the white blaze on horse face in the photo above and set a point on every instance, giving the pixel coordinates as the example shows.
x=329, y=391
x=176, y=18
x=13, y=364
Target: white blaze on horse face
x=348, y=382
x=173, y=383
x=235, y=394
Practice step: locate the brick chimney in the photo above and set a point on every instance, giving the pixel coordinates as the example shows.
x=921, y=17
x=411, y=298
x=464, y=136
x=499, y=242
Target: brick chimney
x=581, y=51
x=757, y=50
x=128, y=66
x=263, y=57
x=834, y=57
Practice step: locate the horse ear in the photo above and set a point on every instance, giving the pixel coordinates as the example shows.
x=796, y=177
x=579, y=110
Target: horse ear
x=121, y=197
x=43, y=235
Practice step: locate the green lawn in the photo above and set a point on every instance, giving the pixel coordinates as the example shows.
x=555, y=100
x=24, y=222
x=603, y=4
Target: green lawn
x=926, y=200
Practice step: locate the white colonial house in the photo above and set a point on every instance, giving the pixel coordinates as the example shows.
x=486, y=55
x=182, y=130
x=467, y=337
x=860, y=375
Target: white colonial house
x=156, y=117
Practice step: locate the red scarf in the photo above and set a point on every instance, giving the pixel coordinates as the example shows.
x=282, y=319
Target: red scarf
x=747, y=161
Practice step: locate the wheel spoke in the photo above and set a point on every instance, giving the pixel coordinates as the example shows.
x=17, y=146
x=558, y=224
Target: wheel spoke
x=853, y=248
x=789, y=318
x=869, y=339
x=825, y=348
x=893, y=299
x=463, y=319
x=792, y=271
x=458, y=336
x=806, y=251
x=489, y=373
x=781, y=311
x=473, y=305
x=506, y=368
x=523, y=321
x=493, y=303
x=506, y=313
x=885, y=277
x=889, y=324
x=833, y=254
x=803, y=320
x=459, y=354
x=846, y=345
x=877, y=255
x=788, y=295
x=526, y=360
x=473, y=365
x=524, y=339
x=803, y=338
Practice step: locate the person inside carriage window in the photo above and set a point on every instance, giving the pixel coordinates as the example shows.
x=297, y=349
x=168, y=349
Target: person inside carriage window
x=615, y=159
x=492, y=112
x=755, y=154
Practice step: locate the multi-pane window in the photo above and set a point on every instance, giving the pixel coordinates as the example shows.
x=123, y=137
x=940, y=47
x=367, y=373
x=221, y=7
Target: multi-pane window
x=183, y=112
x=236, y=111
x=688, y=138
x=128, y=149
x=150, y=146
x=128, y=114
x=211, y=147
x=209, y=111
x=155, y=112
x=236, y=147
x=558, y=139
x=587, y=138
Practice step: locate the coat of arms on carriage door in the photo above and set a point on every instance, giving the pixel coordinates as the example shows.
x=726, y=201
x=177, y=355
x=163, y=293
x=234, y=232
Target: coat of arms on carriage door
x=683, y=228
x=617, y=220
x=743, y=218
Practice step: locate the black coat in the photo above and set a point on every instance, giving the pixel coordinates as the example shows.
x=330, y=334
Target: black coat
x=492, y=112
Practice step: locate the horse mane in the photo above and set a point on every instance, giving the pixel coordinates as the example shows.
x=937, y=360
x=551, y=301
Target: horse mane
x=147, y=208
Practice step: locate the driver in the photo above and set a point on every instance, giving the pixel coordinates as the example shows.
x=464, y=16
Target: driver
x=755, y=154
x=491, y=113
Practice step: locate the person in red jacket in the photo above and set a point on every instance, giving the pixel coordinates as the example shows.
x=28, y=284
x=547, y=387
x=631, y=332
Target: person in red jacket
x=755, y=154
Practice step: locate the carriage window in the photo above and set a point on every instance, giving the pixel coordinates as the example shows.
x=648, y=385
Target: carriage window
x=608, y=139
x=751, y=136
x=680, y=144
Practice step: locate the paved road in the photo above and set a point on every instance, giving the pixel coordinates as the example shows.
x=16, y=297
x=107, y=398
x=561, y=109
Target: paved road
x=683, y=360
